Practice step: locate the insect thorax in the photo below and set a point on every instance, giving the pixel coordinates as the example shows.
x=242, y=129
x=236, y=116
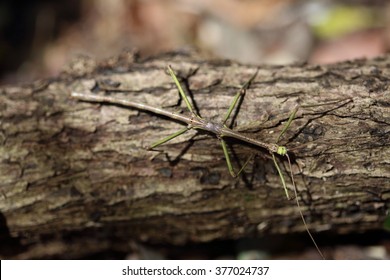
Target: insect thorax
x=213, y=127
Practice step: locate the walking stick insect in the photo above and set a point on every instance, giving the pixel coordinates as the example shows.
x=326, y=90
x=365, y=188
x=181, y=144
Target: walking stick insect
x=220, y=130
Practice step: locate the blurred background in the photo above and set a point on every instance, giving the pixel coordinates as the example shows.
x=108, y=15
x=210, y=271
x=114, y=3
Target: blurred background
x=37, y=38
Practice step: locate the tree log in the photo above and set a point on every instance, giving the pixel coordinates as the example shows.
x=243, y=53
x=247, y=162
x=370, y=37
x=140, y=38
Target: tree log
x=70, y=167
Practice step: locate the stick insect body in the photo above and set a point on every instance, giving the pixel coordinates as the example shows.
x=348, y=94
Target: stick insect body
x=194, y=121
x=220, y=130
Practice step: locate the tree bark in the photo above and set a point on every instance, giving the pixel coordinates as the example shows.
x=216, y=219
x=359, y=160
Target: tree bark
x=73, y=168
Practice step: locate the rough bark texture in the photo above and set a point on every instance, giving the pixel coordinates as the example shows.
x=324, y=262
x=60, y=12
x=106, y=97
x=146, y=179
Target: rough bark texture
x=78, y=170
